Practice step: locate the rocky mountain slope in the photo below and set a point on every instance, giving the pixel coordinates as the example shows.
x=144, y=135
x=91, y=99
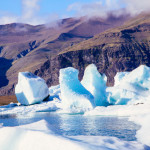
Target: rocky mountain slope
x=119, y=49
x=26, y=48
x=113, y=44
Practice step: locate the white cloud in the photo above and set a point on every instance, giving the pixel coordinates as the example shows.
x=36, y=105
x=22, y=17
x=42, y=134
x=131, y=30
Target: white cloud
x=8, y=19
x=29, y=15
x=137, y=6
x=94, y=9
x=118, y=7
x=31, y=8
x=88, y=9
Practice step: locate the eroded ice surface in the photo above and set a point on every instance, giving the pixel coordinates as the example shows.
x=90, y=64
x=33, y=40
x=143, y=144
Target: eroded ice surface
x=94, y=82
x=73, y=93
x=30, y=89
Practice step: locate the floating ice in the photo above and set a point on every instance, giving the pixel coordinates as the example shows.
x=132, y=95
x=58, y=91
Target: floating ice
x=120, y=110
x=30, y=89
x=47, y=106
x=73, y=94
x=94, y=82
x=130, y=86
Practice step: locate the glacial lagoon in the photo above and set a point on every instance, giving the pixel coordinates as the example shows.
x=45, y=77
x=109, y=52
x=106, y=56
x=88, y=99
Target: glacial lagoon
x=77, y=124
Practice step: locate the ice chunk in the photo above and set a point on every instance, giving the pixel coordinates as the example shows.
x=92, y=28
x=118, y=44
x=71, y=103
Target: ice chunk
x=30, y=89
x=54, y=92
x=130, y=86
x=46, y=106
x=119, y=76
x=73, y=94
x=94, y=82
x=120, y=110
x=140, y=76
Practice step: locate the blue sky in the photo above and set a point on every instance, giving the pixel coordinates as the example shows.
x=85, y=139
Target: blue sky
x=46, y=6
x=43, y=11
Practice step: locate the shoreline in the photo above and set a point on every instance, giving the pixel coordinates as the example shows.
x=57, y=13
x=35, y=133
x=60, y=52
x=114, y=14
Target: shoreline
x=5, y=100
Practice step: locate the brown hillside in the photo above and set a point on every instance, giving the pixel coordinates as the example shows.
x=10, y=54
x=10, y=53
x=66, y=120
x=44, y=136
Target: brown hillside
x=26, y=48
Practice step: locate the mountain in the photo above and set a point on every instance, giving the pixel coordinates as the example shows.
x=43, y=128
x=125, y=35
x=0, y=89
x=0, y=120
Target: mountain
x=25, y=47
x=113, y=44
x=123, y=48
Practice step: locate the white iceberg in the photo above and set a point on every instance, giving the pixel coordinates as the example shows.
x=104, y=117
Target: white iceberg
x=73, y=93
x=30, y=89
x=130, y=87
x=94, y=82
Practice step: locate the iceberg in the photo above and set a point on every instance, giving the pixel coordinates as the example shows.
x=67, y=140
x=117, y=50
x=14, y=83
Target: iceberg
x=30, y=89
x=94, y=82
x=54, y=92
x=73, y=93
x=130, y=86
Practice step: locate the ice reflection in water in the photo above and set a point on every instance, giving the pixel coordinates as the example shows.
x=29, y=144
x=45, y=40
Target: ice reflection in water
x=72, y=125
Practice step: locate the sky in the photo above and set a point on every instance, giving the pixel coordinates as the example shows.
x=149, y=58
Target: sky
x=46, y=11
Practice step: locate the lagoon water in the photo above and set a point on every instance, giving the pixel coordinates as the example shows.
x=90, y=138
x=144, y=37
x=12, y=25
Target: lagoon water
x=77, y=124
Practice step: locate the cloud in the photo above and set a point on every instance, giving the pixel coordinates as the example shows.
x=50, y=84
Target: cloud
x=88, y=9
x=97, y=8
x=30, y=9
x=30, y=15
x=103, y=8
x=136, y=6
x=8, y=19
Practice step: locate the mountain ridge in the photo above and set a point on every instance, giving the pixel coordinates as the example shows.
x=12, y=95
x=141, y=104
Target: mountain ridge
x=50, y=49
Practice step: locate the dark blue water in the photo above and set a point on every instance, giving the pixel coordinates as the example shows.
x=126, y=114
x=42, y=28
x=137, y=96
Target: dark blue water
x=72, y=125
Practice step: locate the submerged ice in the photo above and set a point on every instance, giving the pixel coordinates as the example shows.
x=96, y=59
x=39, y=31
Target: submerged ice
x=94, y=82
x=73, y=93
x=30, y=89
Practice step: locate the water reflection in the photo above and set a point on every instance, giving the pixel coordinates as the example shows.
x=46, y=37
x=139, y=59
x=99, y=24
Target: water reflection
x=97, y=125
x=72, y=125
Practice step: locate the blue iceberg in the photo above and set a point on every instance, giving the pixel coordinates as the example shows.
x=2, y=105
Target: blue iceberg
x=94, y=82
x=73, y=93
